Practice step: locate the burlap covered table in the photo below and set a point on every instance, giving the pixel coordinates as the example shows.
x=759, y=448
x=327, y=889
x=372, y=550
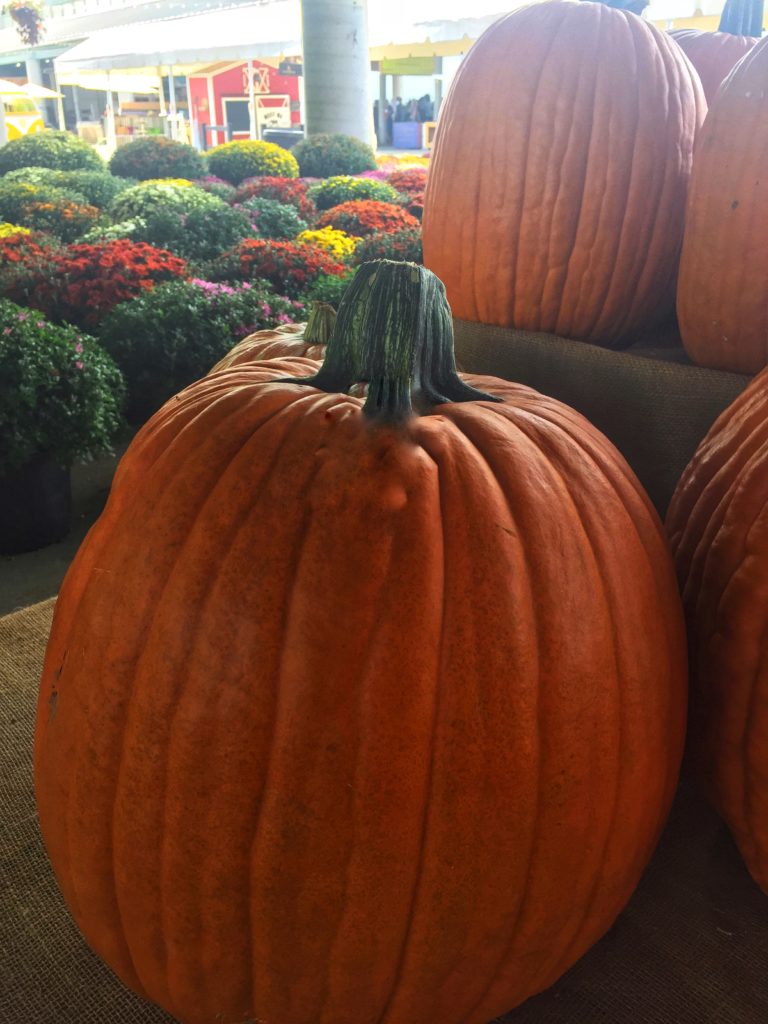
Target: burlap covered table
x=691, y=947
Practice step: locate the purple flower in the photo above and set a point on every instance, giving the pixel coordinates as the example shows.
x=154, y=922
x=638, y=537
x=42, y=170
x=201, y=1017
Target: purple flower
x=283, y=318
x=266, y=309
x=22, y=316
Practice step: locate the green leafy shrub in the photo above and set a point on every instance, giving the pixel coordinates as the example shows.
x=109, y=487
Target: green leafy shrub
x=289, y=191
x=49, y=149
x=367, y=217
x=321, y=156
x=343, y=188
x=217, y=187
x=169, y=337
x=249, y=158
x=94, y=187
x=157, y=157
x=291, y=268
x=329, y=288
x=403, y=246
x=201, y=234
x=64, y=215
x=272, y=219
x=60, y=393
x=153, y=196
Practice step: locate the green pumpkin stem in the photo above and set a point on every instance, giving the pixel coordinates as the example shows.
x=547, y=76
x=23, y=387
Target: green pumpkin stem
x=742, y=18
x=320, y=323
x=395, y=332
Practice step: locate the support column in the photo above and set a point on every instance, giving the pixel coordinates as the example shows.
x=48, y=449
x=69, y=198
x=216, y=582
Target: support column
x=254, y=128
x=111, y=133
x=438, y=96
x=161, y=96
x=382, y=105
x=3, y=131
x=337, y=67
x=172, y=112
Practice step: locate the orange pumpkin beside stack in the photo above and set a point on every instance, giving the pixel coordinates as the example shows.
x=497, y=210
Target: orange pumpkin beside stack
x=304, y=340
x=715, y=54
x=722, y=296
x=718, y=526
x=556, y=193
x=360, y=711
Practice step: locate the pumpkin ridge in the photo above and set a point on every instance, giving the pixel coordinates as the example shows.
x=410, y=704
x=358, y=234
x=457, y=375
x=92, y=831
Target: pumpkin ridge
x=211, y=496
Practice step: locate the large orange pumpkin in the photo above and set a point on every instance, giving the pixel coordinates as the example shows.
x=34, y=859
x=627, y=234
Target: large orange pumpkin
x=714, y=54
x=305, y=340
x=556, y=192
x=351, y=714
x=722, y=298
x=718, y=526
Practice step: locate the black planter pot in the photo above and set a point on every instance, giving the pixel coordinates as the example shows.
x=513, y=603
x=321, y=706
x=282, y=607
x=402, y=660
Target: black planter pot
x=35, y=507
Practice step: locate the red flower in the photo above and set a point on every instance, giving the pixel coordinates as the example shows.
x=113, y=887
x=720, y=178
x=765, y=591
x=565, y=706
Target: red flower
x=287, y=266
x=367, y=217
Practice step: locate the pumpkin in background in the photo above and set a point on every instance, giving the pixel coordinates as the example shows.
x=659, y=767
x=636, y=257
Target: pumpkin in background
x=307, y=340
x=556, y=191
x=714, y=54
x=722, y=294
x=353, y=714
x=718, y=526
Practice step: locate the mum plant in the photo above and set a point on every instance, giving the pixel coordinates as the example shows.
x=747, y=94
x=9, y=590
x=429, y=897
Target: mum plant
x=63, y=214
x=271, y=218
x=157, y=157
x=291, y=191
x=151, y=196
x=339, y=244
x=60, y=393
x=49, y=149
x=401, y=246
x=289, y=267
x=82, y=283
x=171, y=336
x=368, y=217
x=321, y=156
x=94, y=187
x=247, y=158
x=344, y=187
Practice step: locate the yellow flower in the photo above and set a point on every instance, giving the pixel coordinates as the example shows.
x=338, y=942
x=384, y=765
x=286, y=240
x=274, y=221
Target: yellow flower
x=337, y=243
x=7, y=229
x=181, y=182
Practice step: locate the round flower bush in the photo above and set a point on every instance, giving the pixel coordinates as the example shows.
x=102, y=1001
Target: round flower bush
x=321, y=156
x=411, y=182
x=290, y=268
x=272, y=219
x=339, y=244
x=201, y=233
x=169, y=337
x=157, y=157
x=343, y=188
x=49, y=149
x=217, y=187
x=9, y=230
x=367, y=218
x=20, y=246
x=94, y=187
x=82, y=283
x=290, y=191
x=249, y=158
x=60, y=393
x=403, y=246
x=65, y=215
x=151, y=196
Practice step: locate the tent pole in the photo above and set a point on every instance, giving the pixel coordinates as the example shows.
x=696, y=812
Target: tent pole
x=161, y=97
x=254, y=128
x=172, y=104
x=111, y=133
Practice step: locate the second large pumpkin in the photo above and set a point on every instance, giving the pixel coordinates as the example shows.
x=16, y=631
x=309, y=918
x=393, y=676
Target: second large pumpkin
x=556, y=193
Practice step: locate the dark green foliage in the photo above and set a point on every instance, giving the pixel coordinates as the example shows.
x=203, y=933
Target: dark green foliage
x=157, y=157
x=271, y=218
x=343, y=187
x=60, y=393
x=49, y=149
x=321, y=156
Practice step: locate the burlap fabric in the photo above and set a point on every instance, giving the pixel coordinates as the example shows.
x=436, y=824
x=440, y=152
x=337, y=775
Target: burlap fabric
x=691, y=947
x=650, y=400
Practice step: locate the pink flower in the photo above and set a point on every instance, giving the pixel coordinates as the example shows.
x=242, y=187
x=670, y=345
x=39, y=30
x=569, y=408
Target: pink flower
x=79, y=347
x=79, y=365
x=41, y=323
x=7, y=330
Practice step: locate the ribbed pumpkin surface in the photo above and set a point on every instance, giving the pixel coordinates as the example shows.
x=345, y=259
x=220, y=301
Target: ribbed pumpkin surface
x=718, y=526
x=286, y=341
x=713, y=54
x=342, y=725
x=722, y=298
x=557, y=188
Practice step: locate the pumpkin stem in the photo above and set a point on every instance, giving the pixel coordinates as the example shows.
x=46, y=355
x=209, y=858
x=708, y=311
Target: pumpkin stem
x=394, y=331
x=320, y=323
x=742, y=18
